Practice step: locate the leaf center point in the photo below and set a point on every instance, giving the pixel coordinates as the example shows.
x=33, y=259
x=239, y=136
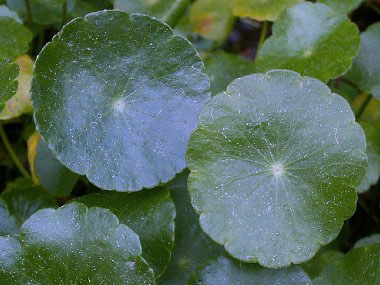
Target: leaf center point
x=277, y=169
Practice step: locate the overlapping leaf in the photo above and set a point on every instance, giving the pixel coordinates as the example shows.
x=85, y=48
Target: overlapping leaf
x=150, y=213
x=311, y=39
x=342, y=6
x=365, y=70
x=274, y=164
x=223, y=270
x=315, y=266
x=125, y=98
x=370, y=240
x=73, y=245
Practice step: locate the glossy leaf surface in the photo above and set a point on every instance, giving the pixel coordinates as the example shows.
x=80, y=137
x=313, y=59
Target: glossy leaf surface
x=118, y=94
x=8, y=223
x=225, y=271
x=274, y=163
x=149, y=213
x=73, y=245
x=365, y=70
x=372, y=239
x=311, y=39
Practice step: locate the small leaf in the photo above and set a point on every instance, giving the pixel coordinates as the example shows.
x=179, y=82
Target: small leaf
x=267, y=10
x=20, y=103
x=211, y=19
x=192, y=246
x=315, y=266
x=222, y=68
x=33, y=141
x=359, y=266
x=125, y=98
x=165, y=10
x=312, y=40
x=342, y=6
x=224, y=271
x=274, y=163
x=8, y=81
x=73, y=245
x=373, y=153
x=23, y=199
x=150, y=213
x=365, y=70
x=8, y=223
x=370, y=240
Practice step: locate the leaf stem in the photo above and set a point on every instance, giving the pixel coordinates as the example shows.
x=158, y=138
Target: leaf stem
x=12, y=154
x=28, y=12
x=363, y=106
x=175, y=13
x=263, y=35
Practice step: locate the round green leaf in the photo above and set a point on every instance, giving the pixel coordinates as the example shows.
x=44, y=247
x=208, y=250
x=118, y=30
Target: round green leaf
x=372, y=239
x=125, y=98
x=8, y=81
x=23, y=198
x=311, y=39
x=225, y=271
x=342, y=6
x=274, y=163
x=73, y=245
x=192, y=247
x=150, y=213
x=373, y=153
x=166, y=10
x=222, y=68
x=359, y=266
x=210, y=19
x=315, y=266
x=261, y=10
x=53, y=176
x=365, y=70
x=8, y=223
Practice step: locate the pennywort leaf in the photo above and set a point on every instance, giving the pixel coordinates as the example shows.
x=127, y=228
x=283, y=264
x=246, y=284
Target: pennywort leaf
x=125, y=98
x=311, y=39
x=76, y=245
x=342, y=6
x=274, y=163
x=370, y=240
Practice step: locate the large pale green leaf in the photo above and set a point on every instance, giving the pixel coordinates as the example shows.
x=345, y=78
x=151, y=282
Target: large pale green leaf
x=150, y=213
x=370, y=240
x=20, y=102
x=73, y=245
x=125, y=98
x=222, y=68
x=359, y=266
x=274, y=163
x=8, y=223
x=342, y=6
x=365, y=70
x=261, y=10
x=211, y=19
x=192, y=246
x=311, y=39
x=167, y=11
x=51, y=174
x=373, y=153
x=315, y=266
x=23, y=198
x=226, y=271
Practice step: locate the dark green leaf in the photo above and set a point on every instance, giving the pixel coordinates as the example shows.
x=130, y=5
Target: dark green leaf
x=274, y=163
x=166, y=10
x=8, y=223
x=315, y=266
x=225, y=271
x=365, y=70
x=311, y=39
x=150, y=213
x=23, y=198
x=342, y=6
x=267, y=10
x=222, y=68
x=53, y=176
x=372, y=239
x=359, y=266
x=373, y=153
x=125, y=98
x=211, y=19
x=73, y=245
x=192, y=246
x=8, y=80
